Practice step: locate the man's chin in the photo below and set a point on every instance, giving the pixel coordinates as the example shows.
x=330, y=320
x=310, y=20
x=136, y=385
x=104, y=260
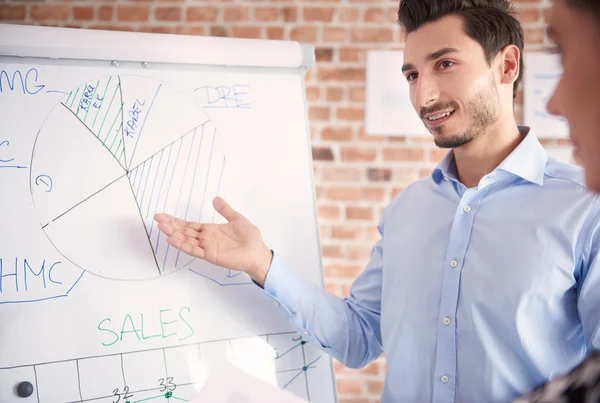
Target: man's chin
x=451, y=140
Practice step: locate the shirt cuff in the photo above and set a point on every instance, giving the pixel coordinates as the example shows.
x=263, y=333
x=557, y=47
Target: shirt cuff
x=284, y=286
x=289, y=293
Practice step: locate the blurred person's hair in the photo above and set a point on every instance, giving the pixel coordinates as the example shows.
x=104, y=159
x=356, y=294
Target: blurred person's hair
x=592, y=6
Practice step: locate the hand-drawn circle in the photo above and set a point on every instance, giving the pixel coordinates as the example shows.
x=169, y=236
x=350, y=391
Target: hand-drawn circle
x=44, y=180
x=123, y=148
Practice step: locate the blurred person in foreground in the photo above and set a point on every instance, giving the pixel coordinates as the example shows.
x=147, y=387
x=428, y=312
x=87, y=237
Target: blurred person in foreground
x=575, y=30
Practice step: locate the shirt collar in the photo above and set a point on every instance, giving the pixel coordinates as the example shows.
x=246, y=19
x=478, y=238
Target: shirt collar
x=445, y=169
x=527, y=161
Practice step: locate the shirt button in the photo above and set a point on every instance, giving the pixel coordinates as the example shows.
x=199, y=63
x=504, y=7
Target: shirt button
x=444, y=379
x=447, y=321
x=275, y=303
x=454, y=263
x=467, y=209
x=305, y=332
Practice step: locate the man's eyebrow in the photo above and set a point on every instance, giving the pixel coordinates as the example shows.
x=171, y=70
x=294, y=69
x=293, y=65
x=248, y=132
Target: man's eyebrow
x=436, y=55
x=407, y=67
x=430, y=57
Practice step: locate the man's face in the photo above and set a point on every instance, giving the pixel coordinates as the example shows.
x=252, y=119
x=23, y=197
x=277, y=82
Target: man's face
x=577, y=37
x=452, y=87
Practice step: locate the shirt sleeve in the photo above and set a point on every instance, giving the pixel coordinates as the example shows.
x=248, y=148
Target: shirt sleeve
x=589, y=283
x=348, y=329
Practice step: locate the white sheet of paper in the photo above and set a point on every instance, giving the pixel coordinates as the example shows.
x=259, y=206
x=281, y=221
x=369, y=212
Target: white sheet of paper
x=230, y=384
x=542, y=72
x=388, y=109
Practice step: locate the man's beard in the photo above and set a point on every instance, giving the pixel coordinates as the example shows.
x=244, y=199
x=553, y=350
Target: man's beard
x=483, y=111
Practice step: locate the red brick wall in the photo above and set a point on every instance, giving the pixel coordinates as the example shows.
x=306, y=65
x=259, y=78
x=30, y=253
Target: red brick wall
x=356, y=175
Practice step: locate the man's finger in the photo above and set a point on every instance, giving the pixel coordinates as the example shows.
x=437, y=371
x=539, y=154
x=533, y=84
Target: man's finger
x=171, y=220
x=225, y=209
x=187, y=231
x=166, y=228
x=173, y=226
x=196, y=226
x=191, y=233
x=186, y=247
x=162, y=217
x=178, y=235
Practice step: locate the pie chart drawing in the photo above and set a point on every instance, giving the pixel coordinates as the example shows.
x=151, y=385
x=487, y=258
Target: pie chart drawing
x=113, y=153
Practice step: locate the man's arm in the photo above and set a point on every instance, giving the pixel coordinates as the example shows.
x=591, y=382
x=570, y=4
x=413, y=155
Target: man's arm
x=348, y=329
x=589, y=282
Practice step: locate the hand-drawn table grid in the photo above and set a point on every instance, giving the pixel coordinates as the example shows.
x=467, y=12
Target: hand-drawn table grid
x=169, y=374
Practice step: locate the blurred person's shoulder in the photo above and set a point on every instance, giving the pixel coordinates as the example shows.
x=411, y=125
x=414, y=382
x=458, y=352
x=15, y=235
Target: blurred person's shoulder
x=581, y=385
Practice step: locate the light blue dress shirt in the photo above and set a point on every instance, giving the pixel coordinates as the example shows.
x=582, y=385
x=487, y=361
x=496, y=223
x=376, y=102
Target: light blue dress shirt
x=473, y=295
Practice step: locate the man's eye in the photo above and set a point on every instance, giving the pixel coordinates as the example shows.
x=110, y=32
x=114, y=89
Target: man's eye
x=411, y=77
x=446, y=63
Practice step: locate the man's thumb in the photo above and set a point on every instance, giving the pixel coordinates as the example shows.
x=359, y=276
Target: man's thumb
x=224, y=209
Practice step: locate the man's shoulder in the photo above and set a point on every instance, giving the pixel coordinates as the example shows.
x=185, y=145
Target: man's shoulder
x=556, y=171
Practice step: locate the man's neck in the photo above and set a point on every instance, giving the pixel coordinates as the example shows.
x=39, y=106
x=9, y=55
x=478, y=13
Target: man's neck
x=483, y=154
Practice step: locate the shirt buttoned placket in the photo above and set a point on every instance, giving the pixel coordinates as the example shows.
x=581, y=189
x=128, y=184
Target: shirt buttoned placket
x=444, y=387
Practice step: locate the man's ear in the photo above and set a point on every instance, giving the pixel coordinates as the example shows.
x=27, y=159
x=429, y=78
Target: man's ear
x=509, y=58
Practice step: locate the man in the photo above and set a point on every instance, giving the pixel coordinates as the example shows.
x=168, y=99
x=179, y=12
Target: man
x=480, y=286
x=575, y=29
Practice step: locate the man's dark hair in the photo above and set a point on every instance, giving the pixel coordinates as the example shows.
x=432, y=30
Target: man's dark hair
x=489, y=22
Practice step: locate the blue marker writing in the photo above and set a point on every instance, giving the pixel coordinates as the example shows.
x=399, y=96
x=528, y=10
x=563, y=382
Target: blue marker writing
x=134, y=114
x=4, y=159
x=28, y=84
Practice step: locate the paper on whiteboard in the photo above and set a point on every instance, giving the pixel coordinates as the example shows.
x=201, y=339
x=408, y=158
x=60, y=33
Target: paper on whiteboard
x=388, y=108
x=542, y=72
x=230, y=384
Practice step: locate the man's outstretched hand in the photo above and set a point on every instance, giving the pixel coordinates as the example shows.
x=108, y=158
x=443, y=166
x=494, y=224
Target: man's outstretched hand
x=237, y=245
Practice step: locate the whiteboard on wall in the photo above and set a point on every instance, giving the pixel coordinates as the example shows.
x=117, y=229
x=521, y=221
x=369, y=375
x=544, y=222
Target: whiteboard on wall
x=542, y=71
x=388, y=109
x=100, y=130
